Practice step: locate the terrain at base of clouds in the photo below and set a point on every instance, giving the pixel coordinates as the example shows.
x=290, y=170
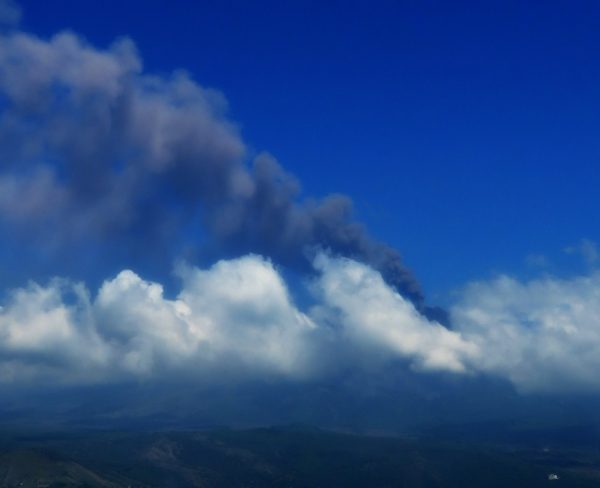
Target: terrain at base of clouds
x=238, y=321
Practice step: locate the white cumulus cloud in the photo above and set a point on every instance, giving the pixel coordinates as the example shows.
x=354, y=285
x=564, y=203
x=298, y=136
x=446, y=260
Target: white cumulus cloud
x=373, y=314
x=543, y=335
x=235, y=319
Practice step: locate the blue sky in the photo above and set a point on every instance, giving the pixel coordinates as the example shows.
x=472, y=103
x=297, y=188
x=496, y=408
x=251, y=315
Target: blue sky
x=466, y=133
x=177, y=182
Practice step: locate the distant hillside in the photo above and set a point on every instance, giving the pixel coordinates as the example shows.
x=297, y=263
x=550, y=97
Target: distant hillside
x=279, y=457
x=30, y=468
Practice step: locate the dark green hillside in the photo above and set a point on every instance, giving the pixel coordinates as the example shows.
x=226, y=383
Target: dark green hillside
x=292, y=457
x=29, y=468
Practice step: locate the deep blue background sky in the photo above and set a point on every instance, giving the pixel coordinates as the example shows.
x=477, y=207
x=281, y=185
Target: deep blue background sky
x=467, y=133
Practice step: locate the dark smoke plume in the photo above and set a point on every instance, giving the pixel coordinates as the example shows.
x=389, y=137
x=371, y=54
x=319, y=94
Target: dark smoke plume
x=94, y=150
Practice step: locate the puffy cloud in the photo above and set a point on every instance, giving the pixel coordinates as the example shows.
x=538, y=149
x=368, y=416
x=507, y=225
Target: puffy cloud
x=235, y=320
x=236, y=316
x=373, y=315
x=251, y=318
x=543, y=335
x=48, y=332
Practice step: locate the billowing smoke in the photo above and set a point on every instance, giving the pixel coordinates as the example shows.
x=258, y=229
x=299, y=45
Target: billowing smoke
x=96, y=154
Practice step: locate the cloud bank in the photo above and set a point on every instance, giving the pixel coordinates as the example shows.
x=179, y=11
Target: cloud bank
x=238, y=321
x=233, y=321
x=543, y=335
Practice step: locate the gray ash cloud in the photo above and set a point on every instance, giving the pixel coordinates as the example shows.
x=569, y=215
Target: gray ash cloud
x=95, y=151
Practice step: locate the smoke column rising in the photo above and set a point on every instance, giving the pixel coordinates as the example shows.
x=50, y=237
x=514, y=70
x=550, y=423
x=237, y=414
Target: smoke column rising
x=94, y=151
